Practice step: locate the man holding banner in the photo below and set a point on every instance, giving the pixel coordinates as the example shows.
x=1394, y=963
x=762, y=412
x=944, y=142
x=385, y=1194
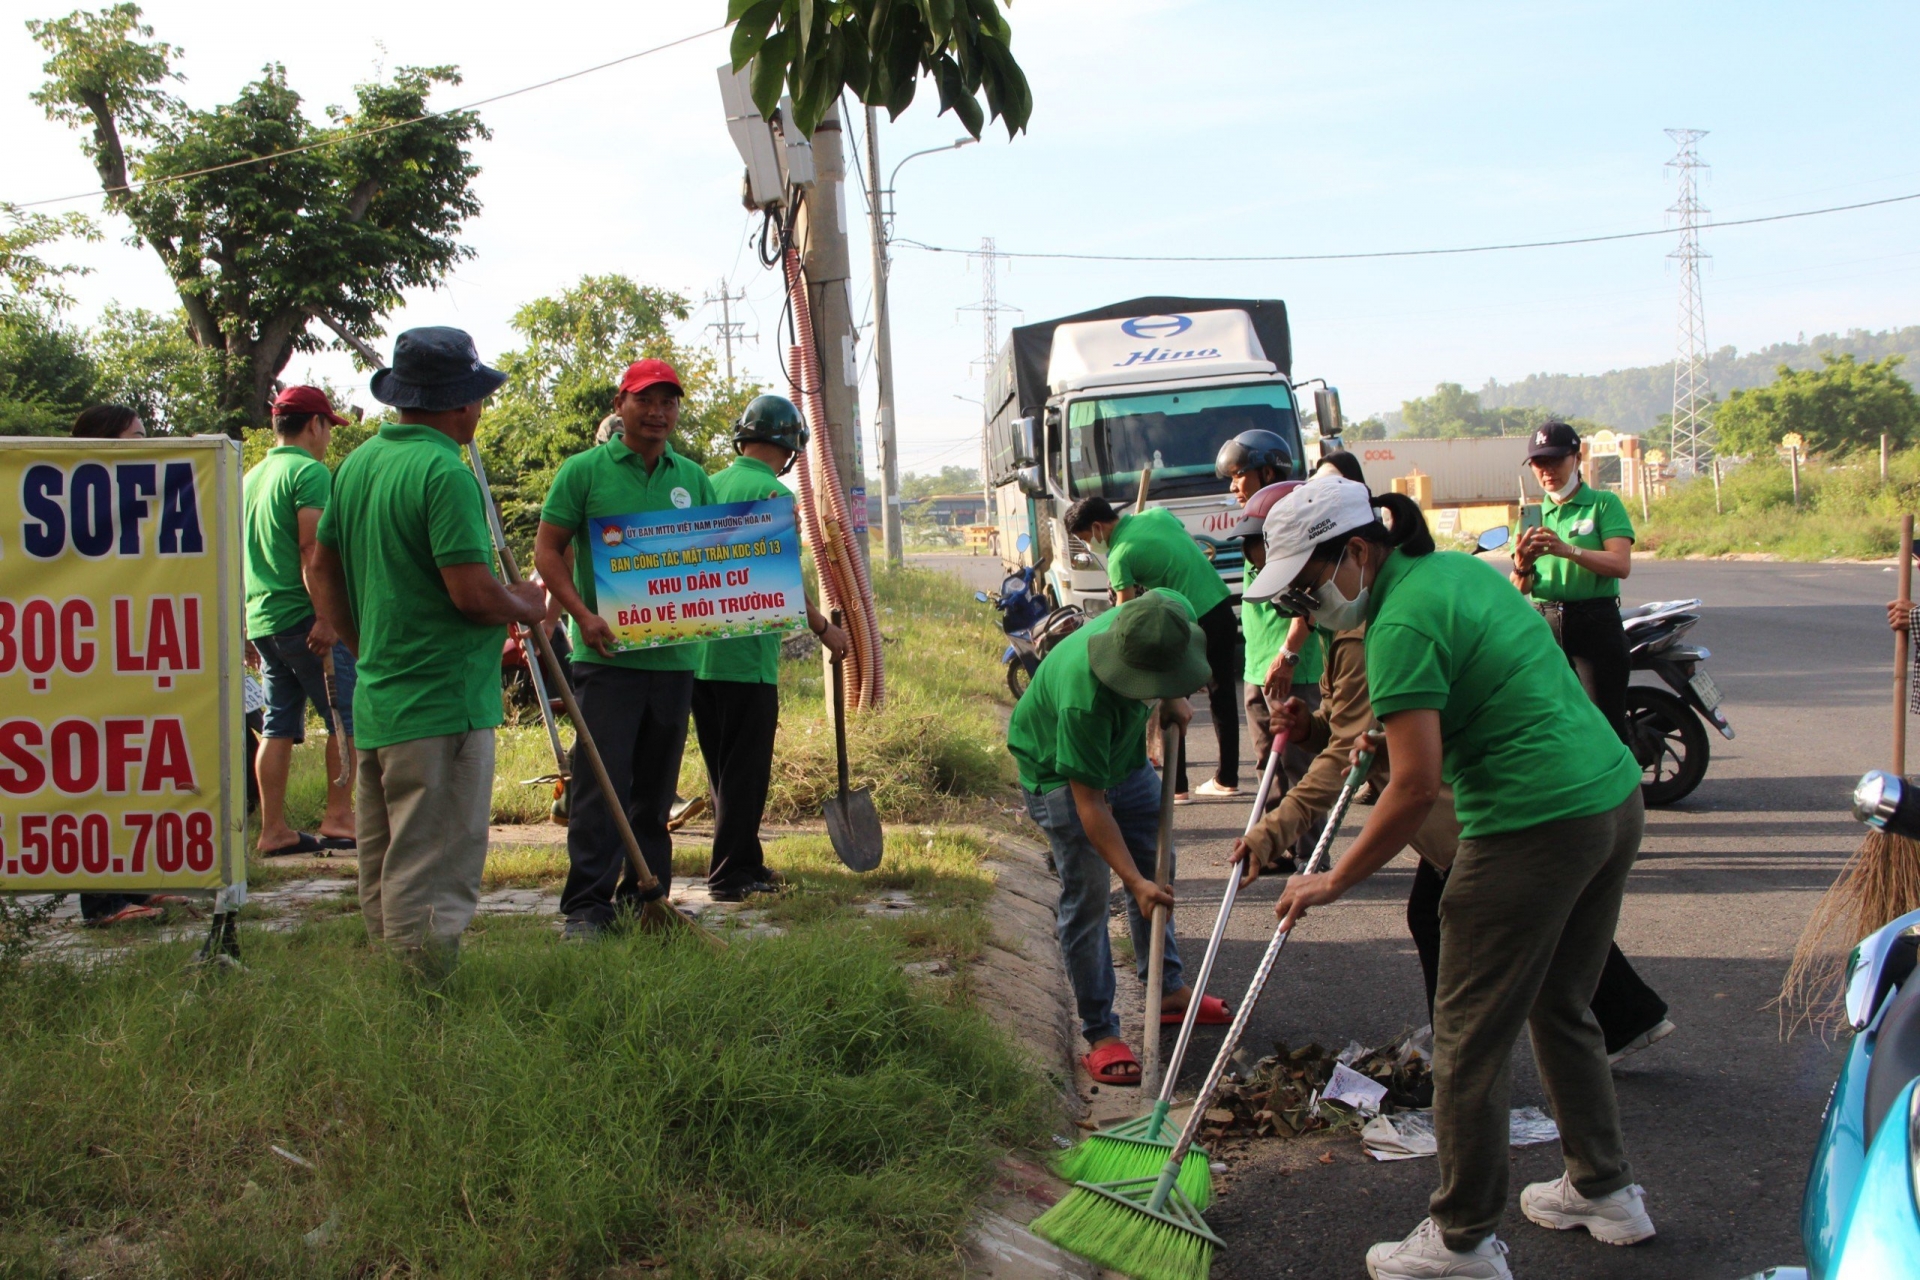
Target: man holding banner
x=405, y=576
x=736, y=693
x=635, y=700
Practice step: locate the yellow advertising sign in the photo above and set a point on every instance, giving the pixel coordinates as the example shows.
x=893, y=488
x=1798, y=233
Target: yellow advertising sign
x=121, y=734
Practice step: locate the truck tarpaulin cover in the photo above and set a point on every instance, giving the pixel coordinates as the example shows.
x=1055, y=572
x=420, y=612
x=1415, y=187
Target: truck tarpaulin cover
x=1032, y=344
x=121, y=760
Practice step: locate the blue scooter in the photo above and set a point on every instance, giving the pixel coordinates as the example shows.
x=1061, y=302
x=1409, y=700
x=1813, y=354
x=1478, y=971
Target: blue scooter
x=1033, y=626
x=1860, y=1214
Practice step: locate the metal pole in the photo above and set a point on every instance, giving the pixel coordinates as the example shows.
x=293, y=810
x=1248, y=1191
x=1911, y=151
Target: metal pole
x=883, y=352
x=1646, y=483
x=1883, y=457
x=1793, y=460
x=1716, y=486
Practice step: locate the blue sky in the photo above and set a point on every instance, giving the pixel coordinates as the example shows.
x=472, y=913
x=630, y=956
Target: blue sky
x=1166, y=127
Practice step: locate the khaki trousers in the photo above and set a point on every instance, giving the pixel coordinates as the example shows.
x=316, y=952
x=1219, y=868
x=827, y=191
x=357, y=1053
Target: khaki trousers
x=1526, y=920
x=422, y=811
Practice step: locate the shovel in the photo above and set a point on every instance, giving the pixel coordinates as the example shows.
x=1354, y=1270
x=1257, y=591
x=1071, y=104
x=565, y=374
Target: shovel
x=851, y=822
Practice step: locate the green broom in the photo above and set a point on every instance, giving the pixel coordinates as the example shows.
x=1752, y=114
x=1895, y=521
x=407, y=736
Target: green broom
x=1137, y=1148
x=1147, y=1227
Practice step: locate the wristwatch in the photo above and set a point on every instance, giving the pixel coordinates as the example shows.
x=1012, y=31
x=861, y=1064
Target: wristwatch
x=1288, y=656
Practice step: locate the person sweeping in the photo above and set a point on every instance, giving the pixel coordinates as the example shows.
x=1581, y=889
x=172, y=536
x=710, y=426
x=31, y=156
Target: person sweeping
x=1474, y=693
x=1078, y=737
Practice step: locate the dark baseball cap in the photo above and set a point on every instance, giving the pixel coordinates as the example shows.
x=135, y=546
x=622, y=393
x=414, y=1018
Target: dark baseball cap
x=435, y=369
x=1553, y=440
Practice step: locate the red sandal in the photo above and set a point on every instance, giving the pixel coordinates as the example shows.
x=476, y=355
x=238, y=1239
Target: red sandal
x=1105, y=1063
x=1213, y=1013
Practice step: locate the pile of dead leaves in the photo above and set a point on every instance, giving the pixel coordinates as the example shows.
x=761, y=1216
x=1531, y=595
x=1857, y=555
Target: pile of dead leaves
x=1279, y=1096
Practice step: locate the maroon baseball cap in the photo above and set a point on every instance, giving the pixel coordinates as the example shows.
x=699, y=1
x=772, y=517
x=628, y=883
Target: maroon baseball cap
x=296, y=400
x=642, y=374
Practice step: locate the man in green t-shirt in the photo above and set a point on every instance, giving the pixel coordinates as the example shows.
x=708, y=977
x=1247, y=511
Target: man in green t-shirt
x=1153, y=549
x=636, y=701
x=285, y=493
x=1078, y=736
x=736, y=688
x=405, y=575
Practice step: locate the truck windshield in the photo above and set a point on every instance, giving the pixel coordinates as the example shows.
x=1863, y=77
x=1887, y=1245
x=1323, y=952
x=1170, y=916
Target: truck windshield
x=1177, y=433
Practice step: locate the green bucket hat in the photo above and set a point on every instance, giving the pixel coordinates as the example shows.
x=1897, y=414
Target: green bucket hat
x=1152, y=650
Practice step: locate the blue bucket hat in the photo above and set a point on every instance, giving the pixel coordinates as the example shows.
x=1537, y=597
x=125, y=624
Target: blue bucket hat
x=435, y=369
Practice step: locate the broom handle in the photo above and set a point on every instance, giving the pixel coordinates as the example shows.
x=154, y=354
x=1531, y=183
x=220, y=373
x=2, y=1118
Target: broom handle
x=1162, y=876
x=1191, y=1130
x=642, y=874
x=1219, y=930
x=1902, y=652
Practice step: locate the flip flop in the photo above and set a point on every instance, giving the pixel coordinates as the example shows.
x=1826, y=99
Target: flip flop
x=305, y=844
x=339, y=842
x=1103, y=1065
x=1213, y=1013
x=128, y=914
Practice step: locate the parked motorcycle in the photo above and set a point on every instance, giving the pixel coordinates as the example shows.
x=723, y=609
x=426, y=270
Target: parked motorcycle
x=1032, y=624
x=1860, y=1214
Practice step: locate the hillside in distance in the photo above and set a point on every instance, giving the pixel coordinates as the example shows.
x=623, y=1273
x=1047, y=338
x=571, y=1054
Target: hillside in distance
x=1635, y=399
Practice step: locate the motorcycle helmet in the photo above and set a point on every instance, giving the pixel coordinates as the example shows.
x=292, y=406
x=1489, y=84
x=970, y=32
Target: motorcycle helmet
x=1251, y=450
x=772, y=420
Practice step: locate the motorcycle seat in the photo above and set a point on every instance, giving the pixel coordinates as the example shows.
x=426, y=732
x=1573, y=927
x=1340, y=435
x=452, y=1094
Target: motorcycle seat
x=1896, y=1056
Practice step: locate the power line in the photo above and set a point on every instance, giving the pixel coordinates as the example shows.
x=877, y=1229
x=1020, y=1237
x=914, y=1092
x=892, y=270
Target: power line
x=368, y=133
x=1411, y=253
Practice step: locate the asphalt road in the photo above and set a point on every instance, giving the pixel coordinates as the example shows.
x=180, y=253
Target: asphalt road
x=1721, y=1117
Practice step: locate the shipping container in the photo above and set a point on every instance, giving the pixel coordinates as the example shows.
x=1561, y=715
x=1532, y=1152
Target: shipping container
x=1484, y=470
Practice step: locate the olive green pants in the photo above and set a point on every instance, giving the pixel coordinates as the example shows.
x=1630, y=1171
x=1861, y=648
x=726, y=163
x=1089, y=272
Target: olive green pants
x=1525, y=923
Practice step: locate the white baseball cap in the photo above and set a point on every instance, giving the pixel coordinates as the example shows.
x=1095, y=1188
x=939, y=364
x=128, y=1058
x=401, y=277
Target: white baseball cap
x=1324, y=507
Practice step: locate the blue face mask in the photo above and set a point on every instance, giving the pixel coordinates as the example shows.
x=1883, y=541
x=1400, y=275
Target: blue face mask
x=1335, y=610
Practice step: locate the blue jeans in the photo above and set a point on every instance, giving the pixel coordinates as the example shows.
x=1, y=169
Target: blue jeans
x=1085, y=880
x=294, y=677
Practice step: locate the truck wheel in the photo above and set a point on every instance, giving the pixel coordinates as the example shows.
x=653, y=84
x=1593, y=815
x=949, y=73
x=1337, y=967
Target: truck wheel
x=1019, y=676
x=1669, y=741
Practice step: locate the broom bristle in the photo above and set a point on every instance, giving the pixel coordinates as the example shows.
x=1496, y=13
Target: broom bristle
x=1111, y=1234
x=1879, y=884
x=1107, y=1157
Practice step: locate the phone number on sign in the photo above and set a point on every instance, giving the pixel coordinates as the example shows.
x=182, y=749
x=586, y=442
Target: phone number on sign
x=68, y=844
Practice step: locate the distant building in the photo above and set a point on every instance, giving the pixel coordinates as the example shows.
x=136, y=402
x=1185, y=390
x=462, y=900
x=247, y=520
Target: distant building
x=955, y=510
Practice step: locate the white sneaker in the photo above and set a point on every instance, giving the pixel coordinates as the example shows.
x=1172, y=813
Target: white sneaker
x=1620, y=1218
x=1213, y=788
x=1425, y=1256
x=1660, y=1031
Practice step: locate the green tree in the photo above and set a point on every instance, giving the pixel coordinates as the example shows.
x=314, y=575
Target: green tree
x=148, y=360
x=877, y=50
x=46, y=375
x=560, y=386
x=1843, y=406
x=346, y=216
x=1451, y=411
x=1371, y=428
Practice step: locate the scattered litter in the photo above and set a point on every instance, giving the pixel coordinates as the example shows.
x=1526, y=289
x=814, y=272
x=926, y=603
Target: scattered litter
x=291, y=1158
x=1349, y=1086
x=1296, y=1091
x=1062, y=1143
x=322, y=1235
x=1409, y=1135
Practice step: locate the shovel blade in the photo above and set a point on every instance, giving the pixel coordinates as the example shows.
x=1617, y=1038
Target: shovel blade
x=854, y=828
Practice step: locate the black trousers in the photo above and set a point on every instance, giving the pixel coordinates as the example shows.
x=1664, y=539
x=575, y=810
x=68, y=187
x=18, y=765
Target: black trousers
x=639, y=721
x=1222, y=630
x=1596, y=645
x=736, y=723
x=1624, y=1006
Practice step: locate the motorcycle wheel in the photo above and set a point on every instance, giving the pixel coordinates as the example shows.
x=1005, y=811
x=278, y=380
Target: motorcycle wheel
x=1019, y=676
x=1669, y=742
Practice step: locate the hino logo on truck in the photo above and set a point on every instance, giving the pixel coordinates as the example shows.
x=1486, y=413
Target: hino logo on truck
x=1154, y=355
x=1152, y=327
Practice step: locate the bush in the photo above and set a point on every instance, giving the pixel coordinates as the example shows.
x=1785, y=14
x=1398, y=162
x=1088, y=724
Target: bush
x=1845, y=511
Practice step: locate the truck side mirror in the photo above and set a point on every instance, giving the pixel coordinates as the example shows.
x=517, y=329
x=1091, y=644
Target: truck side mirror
x=1026, y=442
x=1326, y=411
x=1031, y=482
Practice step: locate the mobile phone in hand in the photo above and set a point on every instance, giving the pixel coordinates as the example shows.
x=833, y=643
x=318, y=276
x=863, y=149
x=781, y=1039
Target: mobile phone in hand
x=1530, y=516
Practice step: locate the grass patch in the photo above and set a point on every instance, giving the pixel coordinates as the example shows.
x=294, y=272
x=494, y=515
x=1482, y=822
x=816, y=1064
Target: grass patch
x=793, y=1107
x=1845, y=511
x=939, y=743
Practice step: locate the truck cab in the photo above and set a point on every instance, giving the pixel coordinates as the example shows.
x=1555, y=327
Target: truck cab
x=1150, y=390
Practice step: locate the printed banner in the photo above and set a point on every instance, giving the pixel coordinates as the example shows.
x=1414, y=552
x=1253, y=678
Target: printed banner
x=704, y=573
x=122, y=760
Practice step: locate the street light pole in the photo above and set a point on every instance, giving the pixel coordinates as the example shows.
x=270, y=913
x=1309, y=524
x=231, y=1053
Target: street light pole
x=878, y=211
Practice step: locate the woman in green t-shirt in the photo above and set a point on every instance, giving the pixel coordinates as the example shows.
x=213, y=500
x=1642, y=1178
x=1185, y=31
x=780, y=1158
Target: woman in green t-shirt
x=1572, y=567
x=1473, y=693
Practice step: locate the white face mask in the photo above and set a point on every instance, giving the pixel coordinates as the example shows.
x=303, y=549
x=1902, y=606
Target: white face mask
x=1562, y=494
x=1337, y=611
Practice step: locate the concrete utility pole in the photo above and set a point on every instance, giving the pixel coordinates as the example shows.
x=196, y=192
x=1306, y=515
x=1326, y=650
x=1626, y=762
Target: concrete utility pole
x=883, y=352
x=731, y=330
x=822, y=236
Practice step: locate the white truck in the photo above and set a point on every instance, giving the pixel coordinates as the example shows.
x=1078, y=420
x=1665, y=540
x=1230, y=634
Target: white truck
x=1077, y=407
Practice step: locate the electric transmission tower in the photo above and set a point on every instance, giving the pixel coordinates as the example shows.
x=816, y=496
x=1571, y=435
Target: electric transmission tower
x=989, y=305
x=731, y=330
x=1692, y=432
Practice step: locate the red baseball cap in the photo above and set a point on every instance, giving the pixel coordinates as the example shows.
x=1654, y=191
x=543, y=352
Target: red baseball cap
x=306, y=400
x=642, y=374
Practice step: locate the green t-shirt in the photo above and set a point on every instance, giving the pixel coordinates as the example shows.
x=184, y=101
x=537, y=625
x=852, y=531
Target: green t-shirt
x=1523, y=744
x=1585, y=520
x=611, y=480
x=1068, y=726
x=1153, y=549
x=279, y=486
x=404, y=507
x=749, y=659
x=1265, y=629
